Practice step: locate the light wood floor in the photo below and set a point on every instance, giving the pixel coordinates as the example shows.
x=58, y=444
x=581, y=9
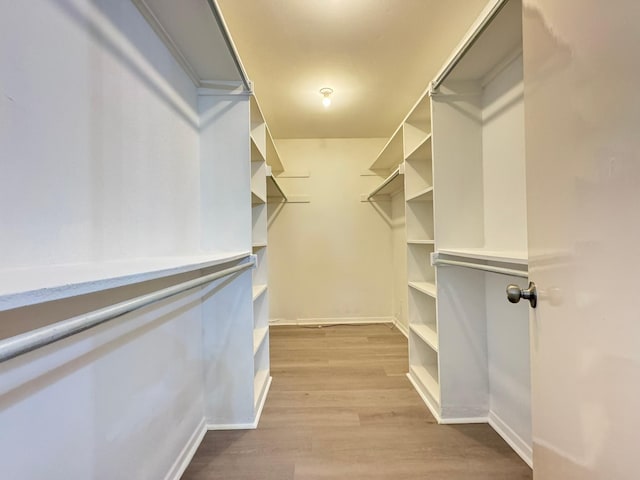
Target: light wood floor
x=340, y=407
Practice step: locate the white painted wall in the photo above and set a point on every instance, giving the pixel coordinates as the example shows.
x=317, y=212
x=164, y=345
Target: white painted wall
x=504, y=179
x=123, y=397
x=331, y=258
x=98, y=137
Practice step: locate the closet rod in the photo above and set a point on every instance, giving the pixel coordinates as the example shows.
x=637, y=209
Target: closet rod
x=217, y=14
x=29, y=341
x=486, y=268
x=468, y=43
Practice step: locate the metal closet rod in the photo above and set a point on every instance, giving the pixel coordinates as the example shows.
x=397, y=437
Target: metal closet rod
x=217, y=14
x=464, y=48
x=486, y=268
x=26, y=342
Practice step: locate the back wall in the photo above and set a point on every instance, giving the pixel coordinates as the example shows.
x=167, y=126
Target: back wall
x=329, y=259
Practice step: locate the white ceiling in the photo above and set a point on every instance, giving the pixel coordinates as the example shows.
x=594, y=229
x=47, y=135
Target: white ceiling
x=377, y=55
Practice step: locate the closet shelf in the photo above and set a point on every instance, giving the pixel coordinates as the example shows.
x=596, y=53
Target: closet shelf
x=185, y=31
x=256, y=154
x=259, y=336
x=428, y=378
x=427, y=334
x=258, y=290
x=22, y=287
x=256, y=199
x=503, y=256
x=421, y=147
x=424, y=195
x=260, y=382
x=391, y=154
x=390, y=185
x=258, y=245
x=428, y=288
x=274, y=191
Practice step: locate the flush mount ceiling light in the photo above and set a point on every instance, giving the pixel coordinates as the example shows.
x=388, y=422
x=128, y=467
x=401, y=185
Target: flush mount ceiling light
x=326, y=94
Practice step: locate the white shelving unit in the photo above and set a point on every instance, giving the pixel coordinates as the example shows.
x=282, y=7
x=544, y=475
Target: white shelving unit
x=263, y=187
x=135, y=174
x=404, y=165
x=465, y=191
x=422, y=291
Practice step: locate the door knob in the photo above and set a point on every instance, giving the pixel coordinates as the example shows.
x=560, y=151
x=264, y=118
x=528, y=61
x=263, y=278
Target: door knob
x=515, y=293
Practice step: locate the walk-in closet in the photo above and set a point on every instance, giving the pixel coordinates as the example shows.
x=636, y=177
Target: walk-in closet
x=318, y=240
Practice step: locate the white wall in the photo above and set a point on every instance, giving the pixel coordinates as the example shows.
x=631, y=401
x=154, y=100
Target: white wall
x=98, y=136
x=504, y=178
x=123, y=397
x=331, y=258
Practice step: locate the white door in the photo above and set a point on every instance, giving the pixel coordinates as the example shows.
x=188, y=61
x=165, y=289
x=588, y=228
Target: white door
x=582, y=107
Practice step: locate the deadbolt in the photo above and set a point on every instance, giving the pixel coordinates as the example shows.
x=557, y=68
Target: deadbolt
x=515, y=293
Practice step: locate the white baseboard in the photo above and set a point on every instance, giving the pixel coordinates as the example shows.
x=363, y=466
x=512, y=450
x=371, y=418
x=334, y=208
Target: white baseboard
x=274, y=322
x=463, y=420
x=187, y=453
x=232, y=426
x=403, y=329
x=522, y=448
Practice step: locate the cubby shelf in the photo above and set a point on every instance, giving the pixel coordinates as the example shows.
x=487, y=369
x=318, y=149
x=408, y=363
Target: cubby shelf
x=274, y=190
x=423, y=144
x=259, y=336
x=428, y=288
x=427, y=334
x=424, y=195
x=258, y=290
x=256, y=154
x=260, y=383
x=390, y=185
x=427, y=376
x=256, y=199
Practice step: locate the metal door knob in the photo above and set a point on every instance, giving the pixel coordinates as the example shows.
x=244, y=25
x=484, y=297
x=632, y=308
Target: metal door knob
x=515, y=293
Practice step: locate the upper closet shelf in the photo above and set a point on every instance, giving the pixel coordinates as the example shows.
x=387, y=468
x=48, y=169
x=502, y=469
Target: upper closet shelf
x=390, y=185
x=392, y=154
x=489, y=44
x=21, y=287
x=502, y=256
x=196, y=35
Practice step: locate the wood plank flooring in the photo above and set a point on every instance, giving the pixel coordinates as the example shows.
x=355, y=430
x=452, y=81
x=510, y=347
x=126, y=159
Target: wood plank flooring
x=340, y=407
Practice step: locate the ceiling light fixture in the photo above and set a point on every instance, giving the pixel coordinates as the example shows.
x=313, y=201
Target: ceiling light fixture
x=326, y=94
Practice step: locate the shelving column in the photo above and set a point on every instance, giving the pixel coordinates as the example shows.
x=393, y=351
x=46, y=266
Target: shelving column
x=423, y=330
x=261, y=370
